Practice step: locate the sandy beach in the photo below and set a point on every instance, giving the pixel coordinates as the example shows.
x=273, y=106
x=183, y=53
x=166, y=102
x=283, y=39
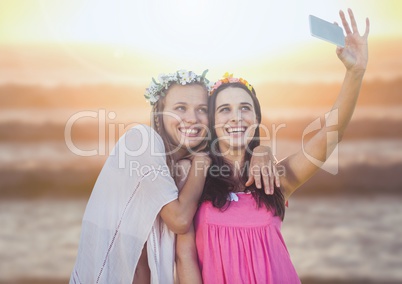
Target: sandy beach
x=330, y=240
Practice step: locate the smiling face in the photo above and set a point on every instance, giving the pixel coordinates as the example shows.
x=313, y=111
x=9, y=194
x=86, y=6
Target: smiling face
x=185, y=115
x=235, y=118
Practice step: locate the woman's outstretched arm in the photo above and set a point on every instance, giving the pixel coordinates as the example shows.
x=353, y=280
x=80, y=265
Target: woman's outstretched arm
x=304, y=164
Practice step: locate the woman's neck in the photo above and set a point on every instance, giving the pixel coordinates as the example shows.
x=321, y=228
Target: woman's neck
x=235, y=157
x=236, y=162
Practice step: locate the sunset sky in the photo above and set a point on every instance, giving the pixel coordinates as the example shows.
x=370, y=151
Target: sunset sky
x=69, y=41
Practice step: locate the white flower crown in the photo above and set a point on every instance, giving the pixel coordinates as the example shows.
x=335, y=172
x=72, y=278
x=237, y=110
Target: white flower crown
x=155, y=90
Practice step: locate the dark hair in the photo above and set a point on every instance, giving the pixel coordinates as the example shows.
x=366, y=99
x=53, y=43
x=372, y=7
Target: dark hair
x=218, y=185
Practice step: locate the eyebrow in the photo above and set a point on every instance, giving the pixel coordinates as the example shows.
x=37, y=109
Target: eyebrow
x=222, y=106
x=242, y=103
x=184, y=103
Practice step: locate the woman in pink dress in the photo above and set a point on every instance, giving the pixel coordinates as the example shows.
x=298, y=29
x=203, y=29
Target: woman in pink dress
x=237, y=229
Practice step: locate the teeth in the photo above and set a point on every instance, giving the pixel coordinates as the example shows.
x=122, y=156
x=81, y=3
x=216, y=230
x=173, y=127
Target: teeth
x=189, y=130
x=236, y=129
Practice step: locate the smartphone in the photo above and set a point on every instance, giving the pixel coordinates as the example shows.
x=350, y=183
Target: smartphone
x=326, y=31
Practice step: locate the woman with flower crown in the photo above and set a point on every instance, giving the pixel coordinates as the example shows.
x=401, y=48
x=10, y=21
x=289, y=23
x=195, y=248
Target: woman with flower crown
x=135, y=208
x=236, y=236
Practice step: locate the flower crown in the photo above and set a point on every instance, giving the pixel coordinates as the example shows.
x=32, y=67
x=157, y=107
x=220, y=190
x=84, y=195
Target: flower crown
x=228, y=78
x=183, y=77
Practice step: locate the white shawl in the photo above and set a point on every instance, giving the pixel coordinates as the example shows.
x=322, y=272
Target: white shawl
x=122, y=214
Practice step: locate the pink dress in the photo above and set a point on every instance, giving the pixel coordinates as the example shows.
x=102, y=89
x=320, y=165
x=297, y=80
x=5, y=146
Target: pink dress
x=242, y=244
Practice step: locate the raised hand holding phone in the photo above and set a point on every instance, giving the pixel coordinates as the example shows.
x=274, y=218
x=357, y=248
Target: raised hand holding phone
x=352, y=48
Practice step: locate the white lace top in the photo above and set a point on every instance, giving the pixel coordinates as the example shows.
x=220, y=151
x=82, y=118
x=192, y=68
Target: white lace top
x=122, y=214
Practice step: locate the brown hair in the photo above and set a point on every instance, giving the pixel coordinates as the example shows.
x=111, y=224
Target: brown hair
x=158, y=125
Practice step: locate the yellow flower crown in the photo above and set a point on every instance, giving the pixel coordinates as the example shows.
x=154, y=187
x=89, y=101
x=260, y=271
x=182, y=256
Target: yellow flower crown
x=228, y=78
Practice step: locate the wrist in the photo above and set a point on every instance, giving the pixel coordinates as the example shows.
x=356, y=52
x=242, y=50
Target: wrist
x=357, y=73
x=262, y=150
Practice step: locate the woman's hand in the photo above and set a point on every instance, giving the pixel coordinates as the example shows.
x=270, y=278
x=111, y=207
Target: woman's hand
x=201, y=162
x=263, y=169
x=355, y=53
